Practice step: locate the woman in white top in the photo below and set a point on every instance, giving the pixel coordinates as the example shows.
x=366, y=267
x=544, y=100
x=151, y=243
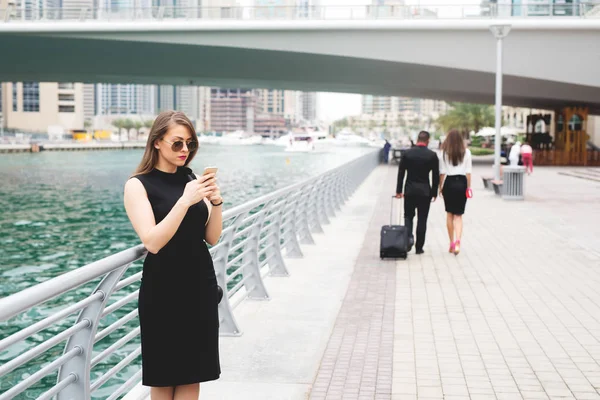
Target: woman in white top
x=455, y=180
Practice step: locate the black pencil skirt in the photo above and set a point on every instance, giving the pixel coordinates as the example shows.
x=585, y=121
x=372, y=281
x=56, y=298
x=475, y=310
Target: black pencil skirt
x=455, y=194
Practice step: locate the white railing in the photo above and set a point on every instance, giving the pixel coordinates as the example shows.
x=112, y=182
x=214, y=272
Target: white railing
x=547, y=8
x=99, y=324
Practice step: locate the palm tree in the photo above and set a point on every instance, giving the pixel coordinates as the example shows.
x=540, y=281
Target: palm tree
x=467, y=117
x=137, y=125
x=119, y=123
x=128, y=124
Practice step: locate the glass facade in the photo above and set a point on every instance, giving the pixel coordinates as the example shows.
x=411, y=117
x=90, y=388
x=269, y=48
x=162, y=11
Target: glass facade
x=15, y=103
x=31, y=96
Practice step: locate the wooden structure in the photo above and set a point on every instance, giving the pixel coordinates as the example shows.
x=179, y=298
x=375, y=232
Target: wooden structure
x=570, y=142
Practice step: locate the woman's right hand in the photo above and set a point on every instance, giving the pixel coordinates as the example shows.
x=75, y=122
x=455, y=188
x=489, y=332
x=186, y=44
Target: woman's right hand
x=198, y=189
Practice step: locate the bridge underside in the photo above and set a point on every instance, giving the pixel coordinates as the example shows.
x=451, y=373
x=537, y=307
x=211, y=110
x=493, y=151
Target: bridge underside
x=58, y=59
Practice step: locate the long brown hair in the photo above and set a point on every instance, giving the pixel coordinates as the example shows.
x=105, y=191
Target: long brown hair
x=161, y=125
x=454, y=147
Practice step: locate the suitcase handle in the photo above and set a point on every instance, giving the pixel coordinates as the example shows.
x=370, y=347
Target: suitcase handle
x=392, y=210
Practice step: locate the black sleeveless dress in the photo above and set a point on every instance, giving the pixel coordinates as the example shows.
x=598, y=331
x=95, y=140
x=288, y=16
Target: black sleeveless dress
x=178, y=294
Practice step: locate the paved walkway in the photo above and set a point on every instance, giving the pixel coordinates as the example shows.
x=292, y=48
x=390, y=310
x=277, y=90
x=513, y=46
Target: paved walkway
x=515, y=316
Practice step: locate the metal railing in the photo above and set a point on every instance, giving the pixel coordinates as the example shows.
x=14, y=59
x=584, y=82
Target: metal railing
x=96, y=327
x=531, y=9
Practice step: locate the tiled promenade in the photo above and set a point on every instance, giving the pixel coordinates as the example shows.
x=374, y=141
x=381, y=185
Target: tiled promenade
x=515, y=316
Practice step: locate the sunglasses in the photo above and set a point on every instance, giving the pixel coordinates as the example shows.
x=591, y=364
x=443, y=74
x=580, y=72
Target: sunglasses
x=178, y=145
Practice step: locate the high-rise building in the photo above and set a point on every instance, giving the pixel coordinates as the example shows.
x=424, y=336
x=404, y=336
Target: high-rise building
x=521, y=8
x=408, y=104
x=233, y=109
x=275, y=9
x=292, y=107
x=35, y=107
x=89, y=101
x=309, y=106
x=372, y=104
x=124, y=99
x=35, y=9
x=194, y=101
x=385, y=104
x=386, y=8
x=272, y=101
x=72, y=9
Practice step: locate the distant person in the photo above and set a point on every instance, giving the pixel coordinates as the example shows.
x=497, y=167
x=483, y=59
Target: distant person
x=455, y=179
x=527, y=157
x=417, y=163
x=174, y=213
x=386, y=151
x=514, y=154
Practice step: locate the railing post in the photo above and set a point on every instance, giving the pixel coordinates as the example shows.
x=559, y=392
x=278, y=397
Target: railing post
x=339, y=198
x=229, y=326
x=302, y=216
x=314, y=222
x=292, y=246
x=328, y=197
x=321, y=202
x=255, y=286
x=84, y=340
x=276, y=263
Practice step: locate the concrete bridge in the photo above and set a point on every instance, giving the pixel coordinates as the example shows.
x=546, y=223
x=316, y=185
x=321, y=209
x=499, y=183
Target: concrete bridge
x=548, y=62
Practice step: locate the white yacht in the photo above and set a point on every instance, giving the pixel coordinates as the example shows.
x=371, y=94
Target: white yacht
x=349, y=138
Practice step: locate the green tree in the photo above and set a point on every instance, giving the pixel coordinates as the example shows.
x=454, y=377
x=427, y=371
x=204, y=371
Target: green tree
x=128, y=125
x=137, y=125
x=340, y=124
x=148, y=123
x=467, y=117
x=119, y=123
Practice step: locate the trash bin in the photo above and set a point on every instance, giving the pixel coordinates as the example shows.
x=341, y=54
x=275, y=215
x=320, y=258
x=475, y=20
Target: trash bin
x=513, y=183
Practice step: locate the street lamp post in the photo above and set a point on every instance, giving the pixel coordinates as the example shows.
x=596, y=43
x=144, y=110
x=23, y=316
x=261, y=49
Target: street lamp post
x=500, y=32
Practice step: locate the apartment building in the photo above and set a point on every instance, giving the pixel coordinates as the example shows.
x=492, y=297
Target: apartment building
x=37, y=106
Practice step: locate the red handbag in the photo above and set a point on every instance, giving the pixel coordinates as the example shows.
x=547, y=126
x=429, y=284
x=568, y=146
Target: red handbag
x=469, y=193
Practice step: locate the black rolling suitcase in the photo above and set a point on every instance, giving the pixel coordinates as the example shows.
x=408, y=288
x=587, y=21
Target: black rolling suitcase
x=395, y=240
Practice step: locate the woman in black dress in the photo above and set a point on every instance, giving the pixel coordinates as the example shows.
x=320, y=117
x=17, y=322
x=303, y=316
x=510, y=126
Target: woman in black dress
x=455, y=180
x=174, y=214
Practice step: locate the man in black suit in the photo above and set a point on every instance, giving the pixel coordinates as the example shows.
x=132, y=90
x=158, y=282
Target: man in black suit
x=418, y=162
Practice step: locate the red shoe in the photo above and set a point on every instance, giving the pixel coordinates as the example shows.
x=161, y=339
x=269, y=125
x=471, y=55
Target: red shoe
x=451, y=250
x=456, y=247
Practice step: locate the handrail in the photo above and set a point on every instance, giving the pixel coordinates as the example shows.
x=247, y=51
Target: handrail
x=326, y=12
x=257, y=235
x=30, y=297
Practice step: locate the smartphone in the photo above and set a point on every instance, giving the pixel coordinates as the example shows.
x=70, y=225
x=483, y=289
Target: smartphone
x=210, y=170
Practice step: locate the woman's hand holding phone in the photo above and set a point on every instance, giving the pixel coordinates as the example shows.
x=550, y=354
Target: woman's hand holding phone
x=215, y=195
x=197, y=189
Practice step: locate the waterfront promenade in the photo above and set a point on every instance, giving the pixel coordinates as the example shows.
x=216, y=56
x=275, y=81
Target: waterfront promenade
x=515, y=316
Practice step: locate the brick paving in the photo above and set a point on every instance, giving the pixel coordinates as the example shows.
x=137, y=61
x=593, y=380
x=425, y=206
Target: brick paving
x=515, y=316
x=357, y=363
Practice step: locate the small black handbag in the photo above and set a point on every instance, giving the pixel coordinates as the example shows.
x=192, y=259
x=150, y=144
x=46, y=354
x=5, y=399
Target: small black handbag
x=219, y=294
